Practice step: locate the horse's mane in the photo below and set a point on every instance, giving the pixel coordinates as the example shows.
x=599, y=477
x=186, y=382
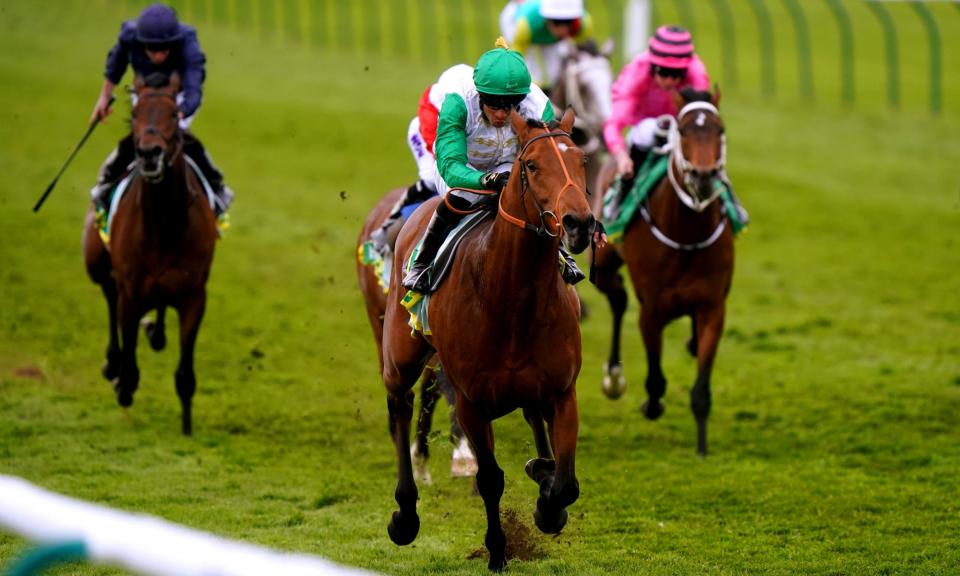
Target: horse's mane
x=157, y=80
x=590, y=47
x=534, y=123
x=691, y=95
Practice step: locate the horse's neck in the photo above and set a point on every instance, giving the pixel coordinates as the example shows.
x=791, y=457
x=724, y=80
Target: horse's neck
x=517, y=263
x=677, y=220
x=165, y=203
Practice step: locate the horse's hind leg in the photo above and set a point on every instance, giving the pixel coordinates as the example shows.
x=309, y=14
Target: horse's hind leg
x=561, y=489
x=420, y=451
x=652, y=331
x=463, y=463
x=154, y=329
x=543, y=465
x=97, y=261
x=710, y=327
x=489, y=481
x=190, y=313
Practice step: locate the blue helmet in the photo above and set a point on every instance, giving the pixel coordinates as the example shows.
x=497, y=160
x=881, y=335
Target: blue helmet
x=158, y=24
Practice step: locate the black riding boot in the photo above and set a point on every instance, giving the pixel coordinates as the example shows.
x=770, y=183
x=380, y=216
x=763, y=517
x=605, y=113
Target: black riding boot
x=112, y=170
x=193, y=148
x=569, y=270
x=385, y=236
x=443, y=220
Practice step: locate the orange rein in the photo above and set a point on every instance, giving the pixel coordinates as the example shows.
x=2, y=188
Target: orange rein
x=524, y=185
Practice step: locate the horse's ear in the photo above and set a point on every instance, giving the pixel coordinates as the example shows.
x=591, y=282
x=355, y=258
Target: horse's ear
x=566, y=123
x=519, y=124
x=607, y=49
x=715, y=97
x=678, y=100
x=138, y=83
x=175, y=81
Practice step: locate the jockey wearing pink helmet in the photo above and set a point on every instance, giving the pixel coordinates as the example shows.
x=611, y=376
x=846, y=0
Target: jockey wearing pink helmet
x=644, y=91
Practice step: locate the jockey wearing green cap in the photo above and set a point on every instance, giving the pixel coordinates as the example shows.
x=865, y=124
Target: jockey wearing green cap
x=475, y=143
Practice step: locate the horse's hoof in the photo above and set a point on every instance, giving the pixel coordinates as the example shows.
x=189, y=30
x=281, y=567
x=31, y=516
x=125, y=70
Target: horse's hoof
x=538, y=469
x=403, y=534
x=614, y=382
x=550, y=525
x=652, y=410
x=109, y=370
x=155, y=334
x=497, y=564
x=124, y=396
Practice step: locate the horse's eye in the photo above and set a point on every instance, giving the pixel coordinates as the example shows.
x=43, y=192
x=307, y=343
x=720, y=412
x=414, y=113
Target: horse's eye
x=531, y=166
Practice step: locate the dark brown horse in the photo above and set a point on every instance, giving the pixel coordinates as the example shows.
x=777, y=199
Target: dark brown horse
x=433, y=382
x=680, y=259
x=161, y=246
x=507, y=329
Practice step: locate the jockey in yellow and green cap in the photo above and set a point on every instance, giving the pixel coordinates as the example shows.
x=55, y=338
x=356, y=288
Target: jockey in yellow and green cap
x=475, y=143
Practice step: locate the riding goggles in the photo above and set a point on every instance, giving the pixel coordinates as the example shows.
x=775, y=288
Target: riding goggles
x=157, y=47
x=664, y=72
x=510, y=102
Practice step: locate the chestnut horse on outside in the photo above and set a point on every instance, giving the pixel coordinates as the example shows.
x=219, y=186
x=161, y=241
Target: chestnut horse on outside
x=680, y=260
x=161, y=246
x=506, y=327
x=433, y=382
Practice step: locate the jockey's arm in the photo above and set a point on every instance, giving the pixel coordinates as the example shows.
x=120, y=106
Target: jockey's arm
x=194, y=72
x=451, y=145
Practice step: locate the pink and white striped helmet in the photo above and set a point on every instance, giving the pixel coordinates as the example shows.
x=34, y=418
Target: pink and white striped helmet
x=671, y=47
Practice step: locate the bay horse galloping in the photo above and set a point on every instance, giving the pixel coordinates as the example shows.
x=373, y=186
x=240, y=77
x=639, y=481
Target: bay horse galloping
x=506, y=327
x=680, y=259
x=162, y=239
x=433, y=382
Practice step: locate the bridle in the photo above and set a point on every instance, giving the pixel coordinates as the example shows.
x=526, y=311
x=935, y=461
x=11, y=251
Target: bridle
x=542, y=229
x=686, y=192
x=152, y=129
x=689, y=198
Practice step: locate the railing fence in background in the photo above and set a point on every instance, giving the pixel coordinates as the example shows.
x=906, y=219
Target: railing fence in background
x=449, y=31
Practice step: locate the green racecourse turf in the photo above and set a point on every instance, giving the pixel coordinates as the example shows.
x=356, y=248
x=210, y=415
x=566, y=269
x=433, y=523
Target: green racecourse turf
x=834, y=436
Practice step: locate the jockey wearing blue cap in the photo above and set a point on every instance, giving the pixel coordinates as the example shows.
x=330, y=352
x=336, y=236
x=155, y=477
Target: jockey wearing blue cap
x=157, y=42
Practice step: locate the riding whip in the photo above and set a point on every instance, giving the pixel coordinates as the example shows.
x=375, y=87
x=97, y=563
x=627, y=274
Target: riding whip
x=69, y=159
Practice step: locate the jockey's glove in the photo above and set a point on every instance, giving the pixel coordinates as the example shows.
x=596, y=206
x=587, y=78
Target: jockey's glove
x=494, y=180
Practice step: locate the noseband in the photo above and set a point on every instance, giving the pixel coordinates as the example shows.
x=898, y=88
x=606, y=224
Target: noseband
x=542, y=229
x=687, y=192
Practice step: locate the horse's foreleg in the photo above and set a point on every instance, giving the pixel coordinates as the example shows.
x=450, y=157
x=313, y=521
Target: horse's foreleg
x=126, y=382
x=155, y=330
x=97, y=262
x=561, y=489
x=191, y=313
x=404, y=524
x=709, y=328
x=489, y=481
x=652, y=331
x=692, y=342
x=420, y=452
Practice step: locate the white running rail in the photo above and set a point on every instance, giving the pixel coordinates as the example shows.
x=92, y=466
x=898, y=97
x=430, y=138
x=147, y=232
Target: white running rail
x=144, y=544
